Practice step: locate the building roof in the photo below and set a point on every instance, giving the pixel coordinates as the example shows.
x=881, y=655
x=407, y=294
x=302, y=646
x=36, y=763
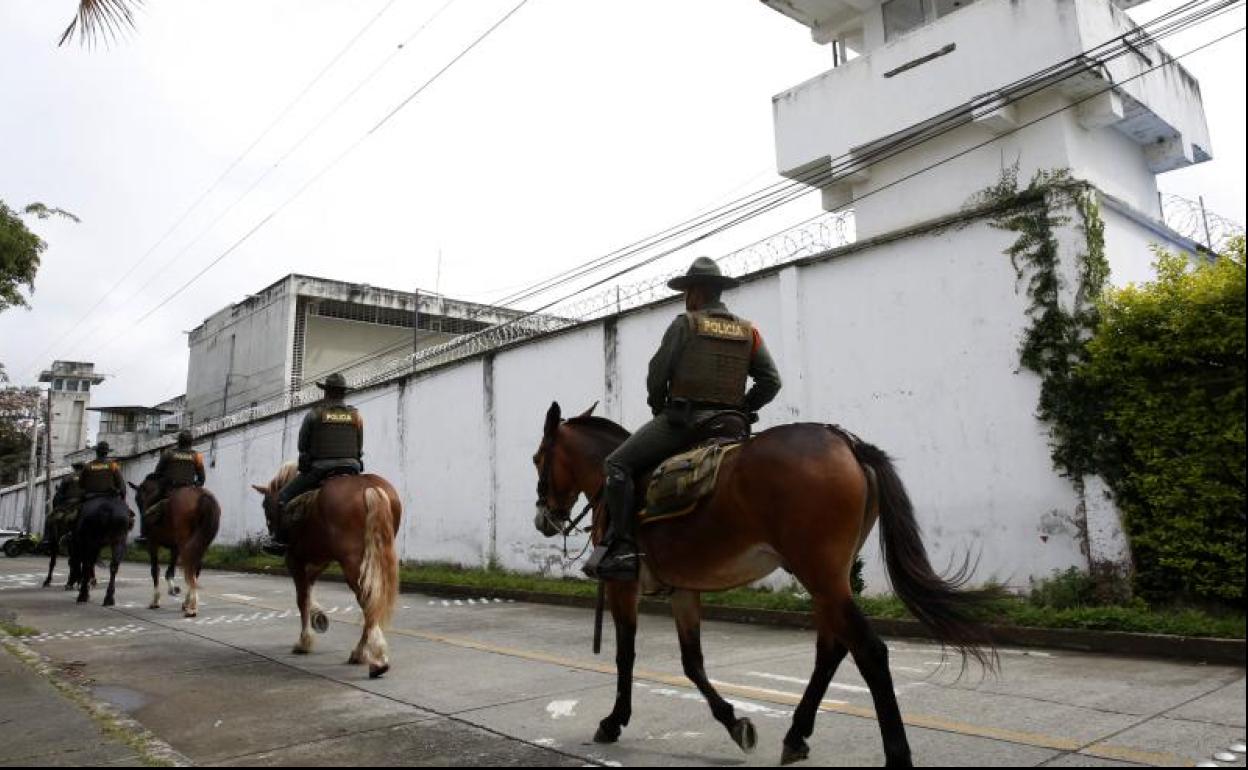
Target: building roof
x=128, y=410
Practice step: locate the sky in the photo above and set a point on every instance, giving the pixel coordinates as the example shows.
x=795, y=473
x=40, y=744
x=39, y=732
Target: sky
x=576, y=127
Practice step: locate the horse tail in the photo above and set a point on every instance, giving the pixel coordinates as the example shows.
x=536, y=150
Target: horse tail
x=204, y=529
x=379, y=571
x=940, y=603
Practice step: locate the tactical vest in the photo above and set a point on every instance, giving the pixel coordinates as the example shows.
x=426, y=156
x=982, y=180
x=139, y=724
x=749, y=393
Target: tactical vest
x=715, y=364
x=97, y=478
x=180, y=467
x=334, y=435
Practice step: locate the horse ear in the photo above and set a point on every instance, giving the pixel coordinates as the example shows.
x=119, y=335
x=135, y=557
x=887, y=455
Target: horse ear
x=260, y=489
x=589, y=411
x=133, y=486
x=553, y=416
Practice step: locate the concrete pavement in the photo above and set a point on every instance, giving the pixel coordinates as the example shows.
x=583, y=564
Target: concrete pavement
x=492, y=682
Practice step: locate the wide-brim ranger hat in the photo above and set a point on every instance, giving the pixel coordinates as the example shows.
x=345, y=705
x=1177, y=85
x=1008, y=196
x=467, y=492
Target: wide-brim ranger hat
x=334, y=381
x=703, y=272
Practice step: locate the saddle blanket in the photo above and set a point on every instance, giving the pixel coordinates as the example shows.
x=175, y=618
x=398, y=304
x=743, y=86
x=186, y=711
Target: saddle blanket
x=297, y=509
x=154, y=512
x=679, y=483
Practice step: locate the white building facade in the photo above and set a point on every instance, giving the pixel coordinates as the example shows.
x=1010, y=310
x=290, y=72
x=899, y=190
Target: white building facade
x=908, y=337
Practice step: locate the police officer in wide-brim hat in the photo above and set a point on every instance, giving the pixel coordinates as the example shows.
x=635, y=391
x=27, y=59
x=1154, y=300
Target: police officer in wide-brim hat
x=331, y=440
x=703, y=272
x=701, y=368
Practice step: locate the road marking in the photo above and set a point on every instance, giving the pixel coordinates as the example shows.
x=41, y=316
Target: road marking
x=1036, y=740
x=239, y=597
x=561, y=709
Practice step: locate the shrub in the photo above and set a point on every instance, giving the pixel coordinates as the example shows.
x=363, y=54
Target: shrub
x=1167, y=364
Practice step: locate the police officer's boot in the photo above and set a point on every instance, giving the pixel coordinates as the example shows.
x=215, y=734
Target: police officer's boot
x=616, y=558
x=275, y=544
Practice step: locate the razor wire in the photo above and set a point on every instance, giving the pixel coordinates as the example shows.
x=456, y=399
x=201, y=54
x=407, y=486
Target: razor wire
x=825, y=232
x=1194, y=221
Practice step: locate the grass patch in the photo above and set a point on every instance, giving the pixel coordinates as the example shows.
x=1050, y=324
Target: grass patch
x=16, y=629
x=1065, y=601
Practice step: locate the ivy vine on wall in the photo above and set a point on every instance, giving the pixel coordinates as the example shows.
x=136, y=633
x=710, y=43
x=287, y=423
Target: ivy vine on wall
x=1054, y=346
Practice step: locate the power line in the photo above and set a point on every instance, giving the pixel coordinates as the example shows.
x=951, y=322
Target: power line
x=333, y=164
x=771, y=200
x=220, y=178
x=950, y=158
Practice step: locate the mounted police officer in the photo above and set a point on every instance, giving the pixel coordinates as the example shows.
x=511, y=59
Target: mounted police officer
x=102, y=484
x=701, y=368
x=331, y=442
x=179, y=466
x=65, y=502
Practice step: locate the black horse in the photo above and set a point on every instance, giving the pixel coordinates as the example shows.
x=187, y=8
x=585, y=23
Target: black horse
x=104, y=522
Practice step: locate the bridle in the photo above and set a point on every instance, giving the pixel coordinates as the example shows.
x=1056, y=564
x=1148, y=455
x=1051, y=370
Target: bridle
x=560, y=520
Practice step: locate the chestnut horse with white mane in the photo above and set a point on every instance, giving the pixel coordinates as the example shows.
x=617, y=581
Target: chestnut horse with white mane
x=352, y=520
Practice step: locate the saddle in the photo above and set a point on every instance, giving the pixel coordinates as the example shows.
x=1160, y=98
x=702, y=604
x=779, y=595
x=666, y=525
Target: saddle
x=679, y=483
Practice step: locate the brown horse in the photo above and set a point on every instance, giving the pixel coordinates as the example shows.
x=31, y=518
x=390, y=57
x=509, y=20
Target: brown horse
x=803, y=497
x=354, y=521
x=189, y=525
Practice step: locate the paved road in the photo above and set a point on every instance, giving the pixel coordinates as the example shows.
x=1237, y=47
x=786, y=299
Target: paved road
x=492, y=682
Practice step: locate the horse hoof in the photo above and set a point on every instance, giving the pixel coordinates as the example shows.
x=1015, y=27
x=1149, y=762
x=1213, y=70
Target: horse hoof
x=607, y=732
x=375, y=672
x=47, y=582
x=792, y=754
x=153, y=606
x=742, y=732
x=191, y=614
x=175, y=591
x=320, y=622
x=298, y=650
x=82, y=600
x=109, y=601
x=70, y=586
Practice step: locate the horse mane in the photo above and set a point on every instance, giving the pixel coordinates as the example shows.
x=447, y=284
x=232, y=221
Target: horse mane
x=284, y=474
x=602, y=425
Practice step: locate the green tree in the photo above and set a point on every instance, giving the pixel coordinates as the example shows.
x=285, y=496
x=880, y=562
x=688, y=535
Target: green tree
x=19, y=252
x=1167, y=366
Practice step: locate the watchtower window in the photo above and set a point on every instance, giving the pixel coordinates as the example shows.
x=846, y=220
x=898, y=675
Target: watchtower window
x=902, y=16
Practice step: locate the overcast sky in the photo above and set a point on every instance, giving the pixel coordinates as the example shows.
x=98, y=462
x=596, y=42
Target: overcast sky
x=578, y=126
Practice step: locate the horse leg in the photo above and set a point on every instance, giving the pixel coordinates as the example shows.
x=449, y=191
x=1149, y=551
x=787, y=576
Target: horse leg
x=153, y=555
x=86, y=571
x=829, y=652
x=303, y=597
x=171, y=574
x=871, y=656
x=687, y=609
x=622, y=599
x=119, y=553
x=54, y=537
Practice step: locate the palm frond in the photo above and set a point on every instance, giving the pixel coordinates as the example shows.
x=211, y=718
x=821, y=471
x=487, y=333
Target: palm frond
x=44, y=211
x=100, y=19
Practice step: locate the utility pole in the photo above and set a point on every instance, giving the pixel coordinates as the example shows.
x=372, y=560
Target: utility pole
x=32, y=469
x=47, y=470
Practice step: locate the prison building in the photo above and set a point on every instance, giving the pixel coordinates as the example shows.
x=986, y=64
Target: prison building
x=301, y=329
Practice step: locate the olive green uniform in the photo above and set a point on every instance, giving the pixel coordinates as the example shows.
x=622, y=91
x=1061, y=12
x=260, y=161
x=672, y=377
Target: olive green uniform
x=331, y=438
x=679, y=405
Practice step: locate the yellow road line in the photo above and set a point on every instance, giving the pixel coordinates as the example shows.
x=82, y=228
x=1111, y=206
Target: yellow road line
x=1036, y=740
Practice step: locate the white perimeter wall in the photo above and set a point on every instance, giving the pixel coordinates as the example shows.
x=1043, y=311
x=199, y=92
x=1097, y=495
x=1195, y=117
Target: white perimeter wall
x=910, y=343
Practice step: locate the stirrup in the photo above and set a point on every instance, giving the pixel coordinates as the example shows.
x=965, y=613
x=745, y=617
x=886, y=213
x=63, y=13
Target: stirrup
x=274, y=547
x=605, y=565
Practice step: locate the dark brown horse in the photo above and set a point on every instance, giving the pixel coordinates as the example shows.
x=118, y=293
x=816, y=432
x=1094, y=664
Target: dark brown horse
x=803, y=497
x=190, y=522
x=354, y=521
x=104, y=522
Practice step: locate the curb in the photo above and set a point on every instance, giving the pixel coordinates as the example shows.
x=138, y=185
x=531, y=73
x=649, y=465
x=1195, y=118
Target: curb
x=1191, y=648
x=151, y=749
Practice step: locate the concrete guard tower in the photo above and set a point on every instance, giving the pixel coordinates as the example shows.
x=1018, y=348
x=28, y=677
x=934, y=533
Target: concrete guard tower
x=935, y=309
x=69, y=387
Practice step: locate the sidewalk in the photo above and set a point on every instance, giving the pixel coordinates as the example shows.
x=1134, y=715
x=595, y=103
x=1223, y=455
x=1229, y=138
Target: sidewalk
x=41, y=725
